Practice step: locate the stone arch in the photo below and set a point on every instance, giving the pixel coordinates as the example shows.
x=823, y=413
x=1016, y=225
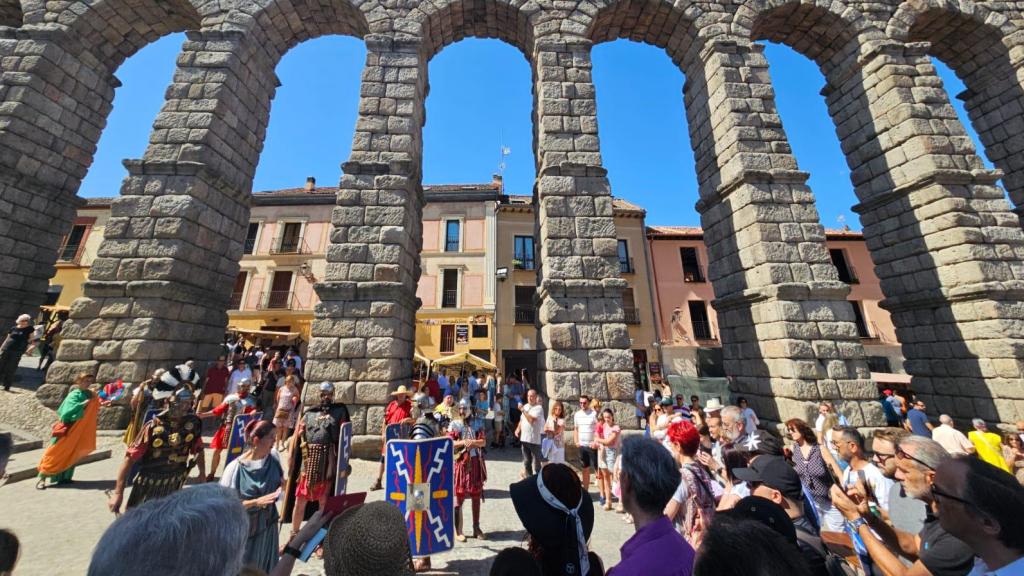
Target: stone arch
x=448, y=21
x=673, y=27
x=978, y=44
x=822, y=31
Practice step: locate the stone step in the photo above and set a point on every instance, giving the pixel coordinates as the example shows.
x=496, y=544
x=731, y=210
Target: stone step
x=23, y=441
x=22, y=465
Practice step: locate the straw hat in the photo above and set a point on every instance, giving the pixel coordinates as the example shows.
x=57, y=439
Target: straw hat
x=401, y=390
x=368, y=540
x=713, y=405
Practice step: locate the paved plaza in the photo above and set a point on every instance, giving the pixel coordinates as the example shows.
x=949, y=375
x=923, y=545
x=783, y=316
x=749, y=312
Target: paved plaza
x=59, y=527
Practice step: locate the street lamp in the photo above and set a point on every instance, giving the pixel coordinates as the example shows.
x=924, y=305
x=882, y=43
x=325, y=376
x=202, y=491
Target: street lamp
x=306, y=271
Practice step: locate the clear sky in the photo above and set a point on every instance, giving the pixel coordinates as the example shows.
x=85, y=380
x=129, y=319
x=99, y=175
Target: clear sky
x=480, y=98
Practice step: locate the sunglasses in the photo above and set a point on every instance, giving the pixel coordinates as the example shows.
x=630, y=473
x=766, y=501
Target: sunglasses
x=882, y=458
x=902, y=455
x=939, y=493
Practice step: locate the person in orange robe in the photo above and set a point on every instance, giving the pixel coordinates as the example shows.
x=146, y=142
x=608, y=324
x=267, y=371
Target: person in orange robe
x=74, y=434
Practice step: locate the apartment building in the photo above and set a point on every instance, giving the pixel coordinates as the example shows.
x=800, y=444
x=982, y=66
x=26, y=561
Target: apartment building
x=517, y=263
x=687, y=323
x=78, y=251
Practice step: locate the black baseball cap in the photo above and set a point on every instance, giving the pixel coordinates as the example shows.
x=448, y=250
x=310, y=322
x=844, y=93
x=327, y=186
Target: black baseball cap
x=775, y=473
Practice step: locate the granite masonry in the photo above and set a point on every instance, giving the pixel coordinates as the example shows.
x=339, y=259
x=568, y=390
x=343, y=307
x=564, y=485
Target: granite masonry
x=947, y=245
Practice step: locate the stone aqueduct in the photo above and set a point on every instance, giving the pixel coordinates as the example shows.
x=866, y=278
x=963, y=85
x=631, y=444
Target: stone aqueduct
x=946, y=244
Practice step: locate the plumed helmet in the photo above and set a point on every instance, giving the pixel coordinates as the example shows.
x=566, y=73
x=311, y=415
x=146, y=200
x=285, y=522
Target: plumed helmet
x=171, y=380
x=327, y=387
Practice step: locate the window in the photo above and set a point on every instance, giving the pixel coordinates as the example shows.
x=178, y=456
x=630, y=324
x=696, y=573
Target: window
x=479, y=331
x=447, y=338
x=280, y=294
x=879, y=364
x=451, y=236
x=73, y=244
x=250, y=238
x=846, y=273
x=691, y=265
x=524, y=254
x=858, y=319
x=238, y=290
x=625, y=262
x=450, y=289
x=629, y=307
x=483, y=355
x=291, y=238
x=525, y=311
x=699, y=320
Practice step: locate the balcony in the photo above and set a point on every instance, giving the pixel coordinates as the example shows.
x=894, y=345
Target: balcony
x=702, y=330
x=451, y=244
x=526, y=314
x=280, y=300
x=236, y=301
x=626, y=266
x=632, y=315
x=290, y=246
x=69, y=254
x=450, y=299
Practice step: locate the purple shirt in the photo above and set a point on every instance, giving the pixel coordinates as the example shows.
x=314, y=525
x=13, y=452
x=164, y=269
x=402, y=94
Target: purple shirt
x=655, y=550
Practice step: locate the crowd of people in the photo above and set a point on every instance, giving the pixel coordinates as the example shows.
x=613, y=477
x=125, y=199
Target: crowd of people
x=707, y=489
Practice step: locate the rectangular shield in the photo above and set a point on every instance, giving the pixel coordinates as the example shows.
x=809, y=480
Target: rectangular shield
x=397, y=432
x=236, y=442
x=344, y=451
x=419, y=481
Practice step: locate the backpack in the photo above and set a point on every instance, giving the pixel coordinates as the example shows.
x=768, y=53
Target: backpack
x=700, y=505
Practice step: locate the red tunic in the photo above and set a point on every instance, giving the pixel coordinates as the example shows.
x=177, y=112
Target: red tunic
x=470, y=471
x=222, y=435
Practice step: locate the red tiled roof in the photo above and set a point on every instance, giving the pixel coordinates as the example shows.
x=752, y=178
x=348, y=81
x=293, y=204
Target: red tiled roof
x=697, y=231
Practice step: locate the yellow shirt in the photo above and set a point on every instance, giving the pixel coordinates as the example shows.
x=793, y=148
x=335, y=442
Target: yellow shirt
x=989, y=447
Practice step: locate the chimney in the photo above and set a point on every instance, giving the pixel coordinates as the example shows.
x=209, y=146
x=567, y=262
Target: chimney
x=310, y=184
x=497, y=180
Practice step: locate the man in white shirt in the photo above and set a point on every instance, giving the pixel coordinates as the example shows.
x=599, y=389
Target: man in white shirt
x=952, y=439
x=240, y=372
x=531, y=432
x=850, y=445
x=442, y=383
x=584, y=424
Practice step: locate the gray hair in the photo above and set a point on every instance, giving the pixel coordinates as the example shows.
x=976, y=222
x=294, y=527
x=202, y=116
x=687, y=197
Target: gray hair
x=978, y=422
x=928, y=451
x=945, y=419
x=200, y=530
x=733, y=412
x=653, y=473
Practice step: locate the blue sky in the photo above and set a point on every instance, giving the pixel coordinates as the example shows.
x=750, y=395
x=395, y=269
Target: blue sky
x=480, y=98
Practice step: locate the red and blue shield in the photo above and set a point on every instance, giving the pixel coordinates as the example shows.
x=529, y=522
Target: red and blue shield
x=420, y=482
x=236, y=442
x=344, y=452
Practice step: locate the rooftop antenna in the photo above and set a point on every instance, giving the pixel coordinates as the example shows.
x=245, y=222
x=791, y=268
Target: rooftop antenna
x=502, y=152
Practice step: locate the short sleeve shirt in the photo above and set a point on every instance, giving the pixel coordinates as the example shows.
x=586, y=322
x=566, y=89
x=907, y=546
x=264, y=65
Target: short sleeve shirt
x=585, y=424
x=532, y=433
x=942, y=553
x=918, y=423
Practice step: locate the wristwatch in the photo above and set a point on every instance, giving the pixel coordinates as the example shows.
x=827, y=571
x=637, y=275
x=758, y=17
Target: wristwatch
x=856, y=524
x=292, y=551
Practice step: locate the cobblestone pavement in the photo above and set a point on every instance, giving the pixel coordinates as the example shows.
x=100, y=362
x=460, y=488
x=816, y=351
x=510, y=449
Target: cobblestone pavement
x=59, y=527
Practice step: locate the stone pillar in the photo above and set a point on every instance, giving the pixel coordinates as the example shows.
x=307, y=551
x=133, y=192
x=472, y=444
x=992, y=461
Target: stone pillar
x=363, y=331
x=787, y=331
x=945, y=244
x=54, y=101
x=584, y=343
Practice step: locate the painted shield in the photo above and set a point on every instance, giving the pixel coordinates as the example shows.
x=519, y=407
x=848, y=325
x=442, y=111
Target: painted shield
x=344, y=451
x=236, y=442
x=397, y=432
x=419, y=476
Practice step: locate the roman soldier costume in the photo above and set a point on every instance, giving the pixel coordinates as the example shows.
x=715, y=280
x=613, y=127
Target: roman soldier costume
x=232, y=406
x=167, y=447
x=470, y=469
x=321, y=427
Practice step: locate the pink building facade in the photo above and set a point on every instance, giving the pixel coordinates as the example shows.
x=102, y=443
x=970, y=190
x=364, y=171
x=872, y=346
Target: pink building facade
x=688, y=334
